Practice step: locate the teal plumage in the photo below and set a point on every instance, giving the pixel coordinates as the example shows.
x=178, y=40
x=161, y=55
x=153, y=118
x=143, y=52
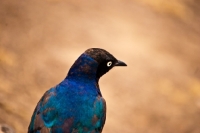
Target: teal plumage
x=76, y=104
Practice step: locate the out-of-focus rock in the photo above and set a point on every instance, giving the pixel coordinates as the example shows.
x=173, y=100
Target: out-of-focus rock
x=4, y=128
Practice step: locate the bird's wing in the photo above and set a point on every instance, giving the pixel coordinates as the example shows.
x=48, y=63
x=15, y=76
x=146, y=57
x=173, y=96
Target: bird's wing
x=44, y=114
x=103, y=119
x=100, y=114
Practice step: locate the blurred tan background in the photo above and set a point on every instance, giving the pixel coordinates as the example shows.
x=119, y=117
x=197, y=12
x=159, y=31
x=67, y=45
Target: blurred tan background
x=159, y=91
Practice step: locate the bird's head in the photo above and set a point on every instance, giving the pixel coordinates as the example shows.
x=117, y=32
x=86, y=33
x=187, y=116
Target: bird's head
x=94, y=62
x=105, y=60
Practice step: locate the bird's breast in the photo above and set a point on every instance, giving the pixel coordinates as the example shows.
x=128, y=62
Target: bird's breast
x=81, y=103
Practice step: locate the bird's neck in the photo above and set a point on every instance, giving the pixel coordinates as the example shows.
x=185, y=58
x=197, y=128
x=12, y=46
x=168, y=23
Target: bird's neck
x=84, y=68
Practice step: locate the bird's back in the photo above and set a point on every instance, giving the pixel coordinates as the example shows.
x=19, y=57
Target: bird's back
x=70, y=107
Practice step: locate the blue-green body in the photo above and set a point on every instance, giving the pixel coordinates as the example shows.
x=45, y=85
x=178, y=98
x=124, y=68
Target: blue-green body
x=73, y=106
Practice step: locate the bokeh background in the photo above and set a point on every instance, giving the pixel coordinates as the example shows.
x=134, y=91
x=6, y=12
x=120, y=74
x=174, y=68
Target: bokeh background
x=159, y=91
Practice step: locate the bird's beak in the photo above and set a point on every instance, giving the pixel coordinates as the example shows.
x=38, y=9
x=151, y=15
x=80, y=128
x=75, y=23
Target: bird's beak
x=120, y=63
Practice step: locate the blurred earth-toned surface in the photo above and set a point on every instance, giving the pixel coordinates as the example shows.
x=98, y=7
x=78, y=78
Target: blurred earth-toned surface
x=159, y=91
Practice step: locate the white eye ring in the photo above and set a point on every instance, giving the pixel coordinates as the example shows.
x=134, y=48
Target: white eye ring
x=109, y=63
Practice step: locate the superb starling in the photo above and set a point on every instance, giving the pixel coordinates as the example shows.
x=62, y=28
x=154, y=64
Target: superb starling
x=76, y=104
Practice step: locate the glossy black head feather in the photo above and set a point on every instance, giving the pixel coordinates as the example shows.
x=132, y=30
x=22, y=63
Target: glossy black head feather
x=93, y=63
x=100, y=55
x=105, y=60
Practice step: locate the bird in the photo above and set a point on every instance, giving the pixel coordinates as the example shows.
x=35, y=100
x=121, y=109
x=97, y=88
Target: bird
x=76, y=104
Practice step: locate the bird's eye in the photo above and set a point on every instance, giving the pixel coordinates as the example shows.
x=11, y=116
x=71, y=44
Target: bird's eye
x=109, y=63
